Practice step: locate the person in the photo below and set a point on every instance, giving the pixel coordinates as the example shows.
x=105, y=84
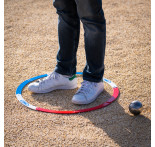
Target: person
x=70, y=13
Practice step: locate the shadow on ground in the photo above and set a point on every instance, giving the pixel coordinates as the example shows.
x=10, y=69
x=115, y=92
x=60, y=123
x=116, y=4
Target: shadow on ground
x=126, y=130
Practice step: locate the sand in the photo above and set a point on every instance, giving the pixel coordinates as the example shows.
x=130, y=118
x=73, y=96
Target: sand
x=30, y=48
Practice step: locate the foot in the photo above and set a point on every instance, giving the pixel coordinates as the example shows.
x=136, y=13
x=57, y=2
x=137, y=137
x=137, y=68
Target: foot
x=88, y=92
x=52, y=82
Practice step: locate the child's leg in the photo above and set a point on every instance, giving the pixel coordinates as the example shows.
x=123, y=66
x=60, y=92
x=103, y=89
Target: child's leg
x=68, y=35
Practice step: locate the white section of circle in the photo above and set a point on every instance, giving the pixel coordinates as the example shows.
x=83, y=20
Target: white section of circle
x=113, y=85
x=20, y=98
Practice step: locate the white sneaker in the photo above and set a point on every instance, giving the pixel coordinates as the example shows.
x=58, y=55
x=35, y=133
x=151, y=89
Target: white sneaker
x=88, y=92
x=52, y=82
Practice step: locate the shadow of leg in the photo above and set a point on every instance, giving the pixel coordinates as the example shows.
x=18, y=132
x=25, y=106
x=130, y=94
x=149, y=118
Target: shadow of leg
x=124, y=129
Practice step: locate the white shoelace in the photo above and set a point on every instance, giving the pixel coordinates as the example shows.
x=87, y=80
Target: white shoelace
x=50, y=76
x=86, y=87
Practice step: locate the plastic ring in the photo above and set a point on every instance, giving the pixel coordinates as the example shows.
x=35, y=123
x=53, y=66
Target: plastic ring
x=108, y=102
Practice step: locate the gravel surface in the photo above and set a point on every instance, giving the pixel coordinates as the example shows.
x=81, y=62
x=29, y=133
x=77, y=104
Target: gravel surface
x=30, y=48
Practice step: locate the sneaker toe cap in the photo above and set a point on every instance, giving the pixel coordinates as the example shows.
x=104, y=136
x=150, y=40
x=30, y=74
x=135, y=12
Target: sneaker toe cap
x=79, y=99
x=33, y=87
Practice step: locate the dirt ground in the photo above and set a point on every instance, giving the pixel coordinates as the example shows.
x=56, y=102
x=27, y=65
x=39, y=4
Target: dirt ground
x=31, y=45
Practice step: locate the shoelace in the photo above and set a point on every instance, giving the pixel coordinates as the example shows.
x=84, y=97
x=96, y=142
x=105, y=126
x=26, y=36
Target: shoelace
x=50, y=76
x=86, y=87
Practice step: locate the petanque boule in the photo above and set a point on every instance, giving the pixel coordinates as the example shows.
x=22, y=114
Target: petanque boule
x=135, y=107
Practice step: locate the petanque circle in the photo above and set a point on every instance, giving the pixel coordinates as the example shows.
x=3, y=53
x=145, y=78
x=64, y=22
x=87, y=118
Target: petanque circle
x=25, y=103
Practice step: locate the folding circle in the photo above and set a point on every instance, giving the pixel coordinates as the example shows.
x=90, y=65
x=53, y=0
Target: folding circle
x=108, y=102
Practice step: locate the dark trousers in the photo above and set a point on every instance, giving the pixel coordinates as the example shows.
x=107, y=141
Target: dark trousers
x=91, y=14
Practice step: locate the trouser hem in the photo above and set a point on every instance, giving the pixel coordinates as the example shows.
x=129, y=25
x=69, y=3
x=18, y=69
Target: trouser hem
x=92, y=80
x=64, y=73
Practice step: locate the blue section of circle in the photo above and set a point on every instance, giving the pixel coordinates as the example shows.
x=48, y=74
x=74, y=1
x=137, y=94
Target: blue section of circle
x=79, y=73
x=22, y=85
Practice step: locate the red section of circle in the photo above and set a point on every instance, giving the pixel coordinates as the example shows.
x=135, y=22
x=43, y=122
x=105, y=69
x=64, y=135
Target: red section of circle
x=113, y=98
